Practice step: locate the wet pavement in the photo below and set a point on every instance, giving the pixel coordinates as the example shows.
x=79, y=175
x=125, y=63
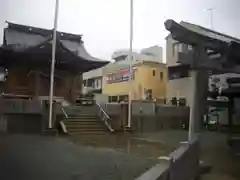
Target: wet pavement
x=118, y=156
x=125, y=143
x=25, y=157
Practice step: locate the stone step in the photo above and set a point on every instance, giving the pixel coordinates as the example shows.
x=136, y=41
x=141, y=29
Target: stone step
x=83, y=117
x=82, y=120
x=75, y=126
x=86, y=129
x=80, y=111
x=90, y=126
x=84, y=123
x=88, y=133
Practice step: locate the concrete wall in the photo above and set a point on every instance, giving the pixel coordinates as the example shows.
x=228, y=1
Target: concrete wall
x=166, y=117
x=22, y=116
x=14, y=106
x=148, y=116
x=100, y=98
x=145, y=108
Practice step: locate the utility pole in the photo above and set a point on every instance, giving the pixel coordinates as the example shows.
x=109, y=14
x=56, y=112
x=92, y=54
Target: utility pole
x=130, y=57
x=53, y=64
x=211, y=16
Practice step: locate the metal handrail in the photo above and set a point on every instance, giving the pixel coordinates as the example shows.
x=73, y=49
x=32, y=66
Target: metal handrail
x=105, y=118
x=64, y=112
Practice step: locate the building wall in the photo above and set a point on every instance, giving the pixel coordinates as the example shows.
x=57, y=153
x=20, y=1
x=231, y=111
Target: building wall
x=93, y=73
x=143, y=79
x=172, y=56
x=155, y=52
x=179, y=87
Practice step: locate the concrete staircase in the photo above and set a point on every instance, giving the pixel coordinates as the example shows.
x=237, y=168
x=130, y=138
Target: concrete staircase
x=84, y=120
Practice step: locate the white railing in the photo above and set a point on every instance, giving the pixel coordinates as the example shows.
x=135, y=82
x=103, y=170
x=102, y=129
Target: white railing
x=63, y=126
x=104, y=117
x=64, y=112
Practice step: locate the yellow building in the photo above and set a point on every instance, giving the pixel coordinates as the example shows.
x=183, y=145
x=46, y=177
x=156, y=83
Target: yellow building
x=149, y=77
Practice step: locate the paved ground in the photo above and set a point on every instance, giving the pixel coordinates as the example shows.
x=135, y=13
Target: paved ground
x=214, y=151
x=125, y=143
x=24, y=157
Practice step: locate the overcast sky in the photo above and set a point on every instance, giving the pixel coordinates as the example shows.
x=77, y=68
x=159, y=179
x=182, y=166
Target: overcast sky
x=105, y=23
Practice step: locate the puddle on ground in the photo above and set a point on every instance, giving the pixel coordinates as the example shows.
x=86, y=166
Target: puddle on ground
x=124, y=143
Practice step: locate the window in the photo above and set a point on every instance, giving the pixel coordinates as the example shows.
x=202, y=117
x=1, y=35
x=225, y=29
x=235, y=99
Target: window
x=154, y=72
x=177, y=72
x=175, y=48
x=96, y=83
x=190, y=48
x=123, y=98
x=114, y=99
x=180, y=47
x=148, y=94
x=161, y=76
x=174, y=101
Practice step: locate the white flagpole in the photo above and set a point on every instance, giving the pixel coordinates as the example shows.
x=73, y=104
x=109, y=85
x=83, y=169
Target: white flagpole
x=53, y=63
x=130, y=66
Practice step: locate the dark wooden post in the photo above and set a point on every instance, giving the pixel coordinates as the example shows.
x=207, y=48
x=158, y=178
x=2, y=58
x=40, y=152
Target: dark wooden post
x=37, y=84
x=230, y=115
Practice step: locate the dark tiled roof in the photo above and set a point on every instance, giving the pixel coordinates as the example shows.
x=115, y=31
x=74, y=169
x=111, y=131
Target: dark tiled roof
x=37, y=41
x=42, y=32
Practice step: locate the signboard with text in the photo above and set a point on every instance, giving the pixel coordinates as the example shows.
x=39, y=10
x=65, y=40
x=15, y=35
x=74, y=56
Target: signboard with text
x=120, y=76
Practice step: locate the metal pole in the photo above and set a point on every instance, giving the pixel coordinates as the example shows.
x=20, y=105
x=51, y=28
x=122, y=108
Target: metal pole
x=53, y=63
x=211, y=16
x=130, y=66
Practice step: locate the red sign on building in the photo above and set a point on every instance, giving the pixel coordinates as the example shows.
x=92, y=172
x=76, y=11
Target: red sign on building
x=120, y=76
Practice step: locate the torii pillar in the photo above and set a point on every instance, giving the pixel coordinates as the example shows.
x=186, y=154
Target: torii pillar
x=199, y=91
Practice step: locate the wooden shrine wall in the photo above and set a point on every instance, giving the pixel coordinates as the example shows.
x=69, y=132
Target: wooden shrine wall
x=21, y=81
